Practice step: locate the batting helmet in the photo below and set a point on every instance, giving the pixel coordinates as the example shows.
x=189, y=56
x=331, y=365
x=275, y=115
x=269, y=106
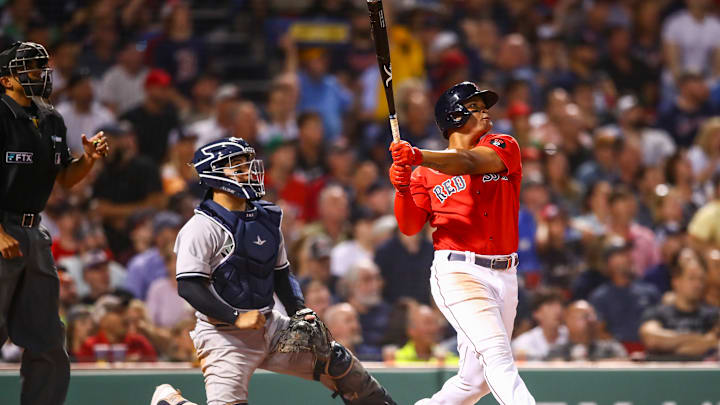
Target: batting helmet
x=22, y=58
x=449, y=110
x=215, y=166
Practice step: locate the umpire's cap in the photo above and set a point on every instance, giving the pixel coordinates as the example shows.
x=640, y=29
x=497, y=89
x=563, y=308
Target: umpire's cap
x=449, y=110
x=7, y=55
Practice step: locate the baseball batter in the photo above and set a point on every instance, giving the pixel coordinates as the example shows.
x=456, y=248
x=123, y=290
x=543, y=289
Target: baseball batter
x=470, y=193
x=231, y=261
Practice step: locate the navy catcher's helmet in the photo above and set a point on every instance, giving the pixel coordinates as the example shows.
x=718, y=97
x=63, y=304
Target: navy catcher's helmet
x=451, y=113
x=215, y=166
x=22, y=58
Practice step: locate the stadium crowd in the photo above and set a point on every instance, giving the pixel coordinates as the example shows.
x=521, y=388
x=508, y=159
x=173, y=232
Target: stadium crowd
x=615, y=103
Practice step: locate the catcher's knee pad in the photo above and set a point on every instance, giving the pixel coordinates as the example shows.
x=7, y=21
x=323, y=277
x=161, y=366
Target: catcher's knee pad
x=353, y=382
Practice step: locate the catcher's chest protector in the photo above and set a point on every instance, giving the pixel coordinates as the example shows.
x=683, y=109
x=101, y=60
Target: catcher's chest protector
x=244, y=279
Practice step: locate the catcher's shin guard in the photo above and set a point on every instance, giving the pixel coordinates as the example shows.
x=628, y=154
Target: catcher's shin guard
x=353, y=382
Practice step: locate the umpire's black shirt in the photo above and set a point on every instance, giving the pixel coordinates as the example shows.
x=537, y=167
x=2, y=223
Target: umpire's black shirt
x=34, y=149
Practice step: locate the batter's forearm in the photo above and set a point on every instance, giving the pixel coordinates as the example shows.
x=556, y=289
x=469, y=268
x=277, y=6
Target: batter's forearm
x=453, y=162
x=410, y=217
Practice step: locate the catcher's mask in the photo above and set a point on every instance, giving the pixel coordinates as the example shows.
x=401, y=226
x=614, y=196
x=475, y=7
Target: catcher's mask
x=28, y=62
x=229, y=164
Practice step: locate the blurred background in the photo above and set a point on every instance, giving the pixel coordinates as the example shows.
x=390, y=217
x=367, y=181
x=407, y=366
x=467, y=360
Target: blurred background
x=615, y=103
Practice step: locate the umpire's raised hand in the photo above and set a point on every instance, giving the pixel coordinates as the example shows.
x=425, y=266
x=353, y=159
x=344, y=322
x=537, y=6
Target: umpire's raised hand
x=9, y=246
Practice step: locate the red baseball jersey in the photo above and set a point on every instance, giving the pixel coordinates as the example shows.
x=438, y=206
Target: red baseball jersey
x=477, y=213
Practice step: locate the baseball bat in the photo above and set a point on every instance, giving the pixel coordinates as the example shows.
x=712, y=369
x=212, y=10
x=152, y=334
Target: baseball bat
x=378, y=29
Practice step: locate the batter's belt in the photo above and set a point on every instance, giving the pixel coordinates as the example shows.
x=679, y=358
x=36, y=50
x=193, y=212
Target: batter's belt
x=494, y=262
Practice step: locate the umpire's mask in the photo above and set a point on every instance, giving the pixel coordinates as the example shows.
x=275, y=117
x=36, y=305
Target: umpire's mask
x=28, y=62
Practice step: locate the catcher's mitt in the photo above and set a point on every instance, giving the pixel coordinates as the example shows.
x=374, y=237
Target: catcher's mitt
x=302, y=335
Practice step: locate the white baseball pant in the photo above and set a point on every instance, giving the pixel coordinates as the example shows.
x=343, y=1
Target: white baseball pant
x=480, y=303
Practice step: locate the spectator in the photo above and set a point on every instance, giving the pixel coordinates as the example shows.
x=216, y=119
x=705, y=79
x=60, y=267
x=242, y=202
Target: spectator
x=533, y=197
x=156, y=117
x=405, y=263
x=536, y=344
x=165, y=307
x=683, y=116
x=315, y=263
x=657, y=144
x=64, y=62
x=621, y=301
x=345, y=254
x=362, y=287
x=424, y=331
x=202, y=99
x=321, y=92
x=416, y=112
x=177, y=50
x=603, y=166
x=126, y=184
x=342, y=321
x=341, y=164
x=704, y=228
x=333, y=209
x=311, y=147
x=689, y=40
x=177, y=175
x=558, y=248
x=96, y=274
x=122, y=86
x=92, y=239
x=114, y=342
x=83, y=115
x=80, y=326
x=281, y=180
x=565, y=191
x=585, y=341
x=365, y=180
x=68, y=295
x=220, y=123
x=686, y=327
x=659, y=276
x=181, y=346
x=704, y=155
x=66, y=243
x=139, y=323
x=628, y=72
x=317, y=297
x=246, y=124
x=623, y=208
x=150, y=265
x=281, y=115
x=99, y=53
x=712, y=295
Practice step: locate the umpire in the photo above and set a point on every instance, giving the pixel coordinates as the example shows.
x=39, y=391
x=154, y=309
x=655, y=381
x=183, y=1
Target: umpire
x=34, y=154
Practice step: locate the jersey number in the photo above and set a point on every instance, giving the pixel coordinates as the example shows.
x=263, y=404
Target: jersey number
x=448, y=188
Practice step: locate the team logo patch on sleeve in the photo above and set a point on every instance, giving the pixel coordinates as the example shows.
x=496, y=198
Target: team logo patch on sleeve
x=498, y=142
x=19, y=157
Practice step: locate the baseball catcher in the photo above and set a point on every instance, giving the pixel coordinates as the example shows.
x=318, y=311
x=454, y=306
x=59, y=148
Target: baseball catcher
x=230, y=260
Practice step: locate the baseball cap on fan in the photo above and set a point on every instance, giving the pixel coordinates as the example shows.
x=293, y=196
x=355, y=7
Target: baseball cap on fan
x=320, y=247
x=614, y=245
x=94, y=259
x=158, y=78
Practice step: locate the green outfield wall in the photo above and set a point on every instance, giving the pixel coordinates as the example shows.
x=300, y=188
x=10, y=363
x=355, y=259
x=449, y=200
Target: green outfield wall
x=587, y=386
